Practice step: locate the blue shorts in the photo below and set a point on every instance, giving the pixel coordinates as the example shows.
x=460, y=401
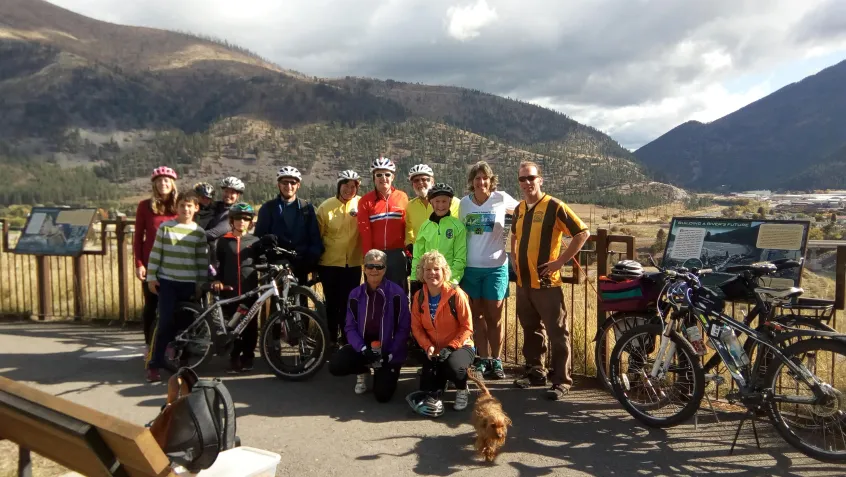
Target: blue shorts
x=485, y=283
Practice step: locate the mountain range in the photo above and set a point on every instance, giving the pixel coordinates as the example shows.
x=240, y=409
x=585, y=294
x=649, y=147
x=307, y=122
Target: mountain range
x=119, y=100
x=792, y=139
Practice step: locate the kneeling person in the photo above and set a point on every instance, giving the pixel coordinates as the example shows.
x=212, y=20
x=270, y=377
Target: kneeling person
x=440, y=321
x=377, y=327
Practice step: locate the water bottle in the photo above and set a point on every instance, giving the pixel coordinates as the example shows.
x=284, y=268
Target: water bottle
x=242, y=310
x=729, y=339
x=694, y=335
x=376, y=346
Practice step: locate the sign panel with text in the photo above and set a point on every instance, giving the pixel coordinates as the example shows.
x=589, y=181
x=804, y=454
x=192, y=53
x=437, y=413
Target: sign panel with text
x=55, y=231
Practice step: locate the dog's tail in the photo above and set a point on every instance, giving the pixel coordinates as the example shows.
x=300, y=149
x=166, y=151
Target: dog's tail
x=472, y=376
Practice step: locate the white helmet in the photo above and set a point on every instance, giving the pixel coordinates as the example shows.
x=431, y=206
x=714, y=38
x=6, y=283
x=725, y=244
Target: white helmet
x=232, y=183
x=383, y=163
x=348, y=175
x=420, y=170
x=289, y=171
x=425, y=405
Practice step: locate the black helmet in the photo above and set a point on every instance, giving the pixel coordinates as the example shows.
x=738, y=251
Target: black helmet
x=440, y=189
x=241, y=209
x=204, y=189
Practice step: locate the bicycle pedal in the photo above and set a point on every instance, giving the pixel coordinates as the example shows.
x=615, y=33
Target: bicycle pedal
x=715, y=378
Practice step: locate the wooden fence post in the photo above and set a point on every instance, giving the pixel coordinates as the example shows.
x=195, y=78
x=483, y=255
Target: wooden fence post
x=123, y=295
x=45, y=287
x=80, y=287
x=840, y=279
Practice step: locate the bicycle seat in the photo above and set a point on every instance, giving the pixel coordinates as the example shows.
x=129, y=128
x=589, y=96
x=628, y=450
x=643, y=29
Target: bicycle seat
x=791, y=292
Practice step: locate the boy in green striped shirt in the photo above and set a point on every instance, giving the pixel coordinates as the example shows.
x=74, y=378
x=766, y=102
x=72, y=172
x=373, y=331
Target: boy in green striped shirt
x=178, y=264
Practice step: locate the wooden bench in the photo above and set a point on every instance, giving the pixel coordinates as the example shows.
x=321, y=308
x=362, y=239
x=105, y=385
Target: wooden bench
x=77, y=437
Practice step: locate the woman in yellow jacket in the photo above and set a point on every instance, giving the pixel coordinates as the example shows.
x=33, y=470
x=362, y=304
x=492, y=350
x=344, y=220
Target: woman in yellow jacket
x=442, y=326
x=340, y=264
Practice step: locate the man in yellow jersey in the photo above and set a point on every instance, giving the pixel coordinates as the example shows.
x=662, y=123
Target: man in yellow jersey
x=540, y=222
x=419, y=210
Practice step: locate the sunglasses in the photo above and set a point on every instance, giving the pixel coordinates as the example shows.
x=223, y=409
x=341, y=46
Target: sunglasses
x=374, y=266
x=528, y=178
x=383, y=174
x=289, y=183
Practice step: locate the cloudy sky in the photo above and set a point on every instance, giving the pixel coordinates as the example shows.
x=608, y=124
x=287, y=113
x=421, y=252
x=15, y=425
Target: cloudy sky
x=631, y=68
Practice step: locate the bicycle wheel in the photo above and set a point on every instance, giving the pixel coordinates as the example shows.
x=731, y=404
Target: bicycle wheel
x=663, y=401
x=307, y=297
x=818, y=429
x=294, y=343
x=191, y=350
x=615, y=325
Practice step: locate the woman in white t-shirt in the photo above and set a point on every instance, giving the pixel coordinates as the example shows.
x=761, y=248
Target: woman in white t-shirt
x=485, y=278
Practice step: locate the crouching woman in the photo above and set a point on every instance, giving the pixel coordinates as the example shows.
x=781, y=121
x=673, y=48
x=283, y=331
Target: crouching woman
x=441, y=324
x=377, y=328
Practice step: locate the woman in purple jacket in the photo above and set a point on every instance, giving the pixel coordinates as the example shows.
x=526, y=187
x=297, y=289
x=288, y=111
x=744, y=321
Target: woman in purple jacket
x=377, y=327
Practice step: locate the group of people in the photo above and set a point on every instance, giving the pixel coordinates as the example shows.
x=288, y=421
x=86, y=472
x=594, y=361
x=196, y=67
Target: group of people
x=435, y=270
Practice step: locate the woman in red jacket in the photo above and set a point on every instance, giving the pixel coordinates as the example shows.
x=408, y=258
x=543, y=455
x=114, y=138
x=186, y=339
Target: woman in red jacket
x=151, y=213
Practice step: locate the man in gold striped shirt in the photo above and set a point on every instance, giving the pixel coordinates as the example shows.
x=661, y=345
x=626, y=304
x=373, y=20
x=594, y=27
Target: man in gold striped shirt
x=539, y=224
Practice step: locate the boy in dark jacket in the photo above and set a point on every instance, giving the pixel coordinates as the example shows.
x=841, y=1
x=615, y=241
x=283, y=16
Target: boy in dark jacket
x=235, y=256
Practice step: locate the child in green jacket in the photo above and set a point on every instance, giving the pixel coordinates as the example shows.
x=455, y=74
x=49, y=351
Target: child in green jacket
x=442, y=232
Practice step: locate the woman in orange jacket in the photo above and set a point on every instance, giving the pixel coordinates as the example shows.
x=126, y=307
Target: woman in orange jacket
x=442, y=325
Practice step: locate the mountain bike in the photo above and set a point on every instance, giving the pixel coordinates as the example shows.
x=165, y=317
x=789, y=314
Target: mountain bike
x=663, y=385
x=742, y=287
x=293, y=332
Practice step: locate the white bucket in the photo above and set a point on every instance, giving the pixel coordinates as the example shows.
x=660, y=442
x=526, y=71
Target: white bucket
x=239, y=462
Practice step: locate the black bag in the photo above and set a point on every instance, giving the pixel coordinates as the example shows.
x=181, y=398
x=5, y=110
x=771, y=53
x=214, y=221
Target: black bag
x=197, y=422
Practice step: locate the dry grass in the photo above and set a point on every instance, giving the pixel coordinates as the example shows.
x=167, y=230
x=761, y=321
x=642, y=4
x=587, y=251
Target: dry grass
x=41, y=467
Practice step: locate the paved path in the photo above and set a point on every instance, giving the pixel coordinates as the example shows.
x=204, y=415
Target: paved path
x=322, y=428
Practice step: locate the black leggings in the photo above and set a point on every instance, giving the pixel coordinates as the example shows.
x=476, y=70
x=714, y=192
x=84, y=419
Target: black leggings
x=436, y=373
x=349, y=361
x=148, y=314
x=338, y=282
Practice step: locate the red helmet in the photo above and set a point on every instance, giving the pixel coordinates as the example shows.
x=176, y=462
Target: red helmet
x=163, y=171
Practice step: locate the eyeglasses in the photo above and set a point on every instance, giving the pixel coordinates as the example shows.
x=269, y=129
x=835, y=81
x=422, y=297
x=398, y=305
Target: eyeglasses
x=528, y=178
x=383, y=174
x=289, y=183
x=374, y=266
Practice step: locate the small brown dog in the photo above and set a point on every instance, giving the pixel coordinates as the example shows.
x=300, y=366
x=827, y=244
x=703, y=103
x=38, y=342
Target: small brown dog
x=489, y=419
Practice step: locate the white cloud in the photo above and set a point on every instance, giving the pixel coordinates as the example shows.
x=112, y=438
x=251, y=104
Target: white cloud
x=634, y=69
x=465, y=22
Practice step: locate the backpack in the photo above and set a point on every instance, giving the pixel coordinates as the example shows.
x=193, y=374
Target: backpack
x=197, y=422
x=450, y=302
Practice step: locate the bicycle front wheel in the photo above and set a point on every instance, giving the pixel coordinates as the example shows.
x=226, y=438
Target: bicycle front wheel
x=667, y=399
x=816, y=426
x=294, y=343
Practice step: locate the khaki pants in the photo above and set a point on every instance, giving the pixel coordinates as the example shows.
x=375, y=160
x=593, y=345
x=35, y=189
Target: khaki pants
x=542, y=310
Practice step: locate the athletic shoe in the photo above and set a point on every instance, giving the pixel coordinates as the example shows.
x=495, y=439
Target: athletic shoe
x=462, y=398
x=361, y=383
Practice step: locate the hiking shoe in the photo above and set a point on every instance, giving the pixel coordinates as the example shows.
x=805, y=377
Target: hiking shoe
x=531, y=378
x=153, y=376
x=496, y=372
x=361, y=383
x=462, y=398
x=556, y=392
x=483, y=368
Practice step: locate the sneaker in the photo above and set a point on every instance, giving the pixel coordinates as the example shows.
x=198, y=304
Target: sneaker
x=234, y=366
x=153, y=376
x=556, y=392
x=496, y=371
x=483, y=368
x=361, y=383
x=532, y=377
x=462, y=398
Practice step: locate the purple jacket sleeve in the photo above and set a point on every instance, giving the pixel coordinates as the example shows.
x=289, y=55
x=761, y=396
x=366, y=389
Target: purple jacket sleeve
x=351, y=330
x=400, y=342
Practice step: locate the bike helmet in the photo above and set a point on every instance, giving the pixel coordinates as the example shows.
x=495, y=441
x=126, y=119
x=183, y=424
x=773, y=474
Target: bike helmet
x=383, y=163
x=163, y=171
x=241, y=209
x=204, y=189
x=232, y=183
x=440, y=189
x=626, y=270
x=289, y=171
x=420, y=170
x=348, y=175
x=424, y=404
